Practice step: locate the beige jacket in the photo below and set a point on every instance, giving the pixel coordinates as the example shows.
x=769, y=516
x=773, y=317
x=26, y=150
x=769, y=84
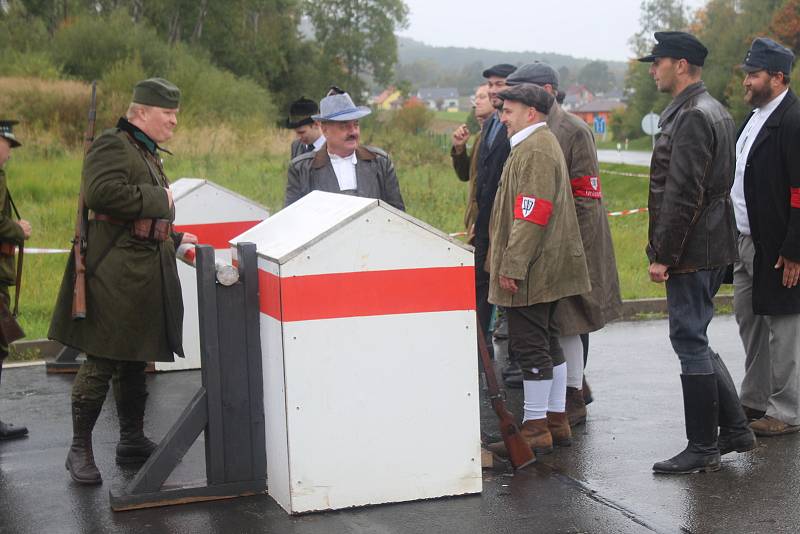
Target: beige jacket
x=543, y=253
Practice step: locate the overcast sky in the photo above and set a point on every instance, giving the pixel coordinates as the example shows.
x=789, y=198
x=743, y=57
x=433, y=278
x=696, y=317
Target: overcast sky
x=597, y=29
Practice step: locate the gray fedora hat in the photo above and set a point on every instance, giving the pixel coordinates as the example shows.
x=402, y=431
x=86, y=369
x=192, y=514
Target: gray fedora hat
x=340, y=108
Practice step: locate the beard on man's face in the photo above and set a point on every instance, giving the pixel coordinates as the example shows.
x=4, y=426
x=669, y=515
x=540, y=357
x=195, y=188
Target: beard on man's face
x=758, y=97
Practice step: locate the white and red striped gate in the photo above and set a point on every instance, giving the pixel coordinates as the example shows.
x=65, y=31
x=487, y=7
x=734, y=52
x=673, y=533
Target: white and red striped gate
x=369, y=346
x=215, y=215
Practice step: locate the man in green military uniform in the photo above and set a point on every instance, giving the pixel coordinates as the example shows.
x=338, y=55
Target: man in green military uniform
x=12, y=233
x=134, y=311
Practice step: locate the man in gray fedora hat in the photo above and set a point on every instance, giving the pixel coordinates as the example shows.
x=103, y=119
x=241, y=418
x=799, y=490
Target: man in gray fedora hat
x=342, y=164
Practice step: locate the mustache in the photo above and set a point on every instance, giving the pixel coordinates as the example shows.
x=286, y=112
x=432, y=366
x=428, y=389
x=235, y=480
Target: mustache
x=352, y=137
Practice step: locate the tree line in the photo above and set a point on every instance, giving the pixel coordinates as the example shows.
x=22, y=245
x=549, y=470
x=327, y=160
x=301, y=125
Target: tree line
x=727, y=28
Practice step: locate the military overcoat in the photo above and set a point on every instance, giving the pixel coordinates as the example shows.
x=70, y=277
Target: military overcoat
x=581, y=314
x=536, y=242
x=134, y=308
x=10, y=232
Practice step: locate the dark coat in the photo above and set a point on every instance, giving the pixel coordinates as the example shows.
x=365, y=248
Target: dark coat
x=581, y=314
x=10, y=232
x=466, y=167
x=771, y=180
x=489, y=169
x=692, y=226
x=134, y=307
x=375, y=176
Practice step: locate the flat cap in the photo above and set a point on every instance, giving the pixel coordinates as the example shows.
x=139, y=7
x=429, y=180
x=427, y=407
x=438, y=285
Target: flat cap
x=157, y=92
x=7, y=132
x=529, y=94
x=678, y=45
x=300, y=112
x=501, y=70
x=536, y=72
x=766, y=54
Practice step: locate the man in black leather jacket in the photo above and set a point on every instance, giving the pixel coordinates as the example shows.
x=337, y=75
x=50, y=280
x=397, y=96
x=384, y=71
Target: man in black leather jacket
x=691, y=243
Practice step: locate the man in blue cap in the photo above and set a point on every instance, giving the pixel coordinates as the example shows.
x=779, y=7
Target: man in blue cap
x=691, y=243
x=766, y=201
x=12, y=233
x=342, y=164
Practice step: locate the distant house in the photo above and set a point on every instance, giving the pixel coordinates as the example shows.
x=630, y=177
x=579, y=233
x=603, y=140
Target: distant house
x=439, y=98
x=577, y=95
x=599, y=109
x=390, y=98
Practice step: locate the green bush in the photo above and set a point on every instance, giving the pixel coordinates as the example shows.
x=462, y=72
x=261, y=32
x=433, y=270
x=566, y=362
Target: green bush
x=412, y=118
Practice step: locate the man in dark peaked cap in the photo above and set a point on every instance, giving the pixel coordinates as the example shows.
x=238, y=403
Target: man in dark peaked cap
x=308, y=131
x=766, y=201
x=691, y=242
x=12, y=233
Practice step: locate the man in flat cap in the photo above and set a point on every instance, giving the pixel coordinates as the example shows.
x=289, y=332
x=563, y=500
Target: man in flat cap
x=691, y=243
x=134, y=311
x=12, y=234
x=308, y=131
x=766, y=201
x=492, y=153
x=536, y=260
x=578, y=315
x=342, y=164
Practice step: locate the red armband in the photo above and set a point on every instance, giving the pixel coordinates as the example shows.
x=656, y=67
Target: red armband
x=586, y=186
x=532, y=209
x=795, y=198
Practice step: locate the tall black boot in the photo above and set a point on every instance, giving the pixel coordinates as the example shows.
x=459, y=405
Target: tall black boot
x=7, y=430
x=735, y=433
x=701, y=410
x=133, y=446
x=80, y=460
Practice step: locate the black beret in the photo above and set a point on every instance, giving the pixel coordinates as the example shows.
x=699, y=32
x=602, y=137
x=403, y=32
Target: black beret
x=529, y=94
x=300, y=113
x=502, y=70
x=678, y=45
x=766, y=54
x=157, y=92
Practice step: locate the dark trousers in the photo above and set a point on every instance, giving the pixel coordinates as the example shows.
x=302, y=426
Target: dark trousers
x=92, y=381
x=690, y=304
x=482, y=305
x=533, y=337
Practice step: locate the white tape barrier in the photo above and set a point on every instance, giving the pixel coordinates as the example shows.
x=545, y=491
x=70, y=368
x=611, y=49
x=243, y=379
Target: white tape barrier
x=46, y=251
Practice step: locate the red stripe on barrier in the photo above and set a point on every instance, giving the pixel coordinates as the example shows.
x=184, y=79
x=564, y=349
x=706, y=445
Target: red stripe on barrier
x=361, y=294
x=795, y=200
x=216, y=234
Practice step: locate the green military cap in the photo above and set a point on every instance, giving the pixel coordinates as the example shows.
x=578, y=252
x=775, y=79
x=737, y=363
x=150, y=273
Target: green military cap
x=157, y=92
x=7, y=132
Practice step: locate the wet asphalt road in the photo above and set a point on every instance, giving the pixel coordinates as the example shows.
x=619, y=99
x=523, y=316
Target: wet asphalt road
x=603, y=483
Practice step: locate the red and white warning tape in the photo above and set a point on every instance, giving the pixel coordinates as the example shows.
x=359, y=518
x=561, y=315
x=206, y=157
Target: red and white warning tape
x=626, y=212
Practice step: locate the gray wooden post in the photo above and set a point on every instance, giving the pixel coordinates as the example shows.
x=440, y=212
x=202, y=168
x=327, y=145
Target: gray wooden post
x=229, y=406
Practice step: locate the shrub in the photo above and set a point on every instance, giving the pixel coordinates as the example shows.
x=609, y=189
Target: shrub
x=413, y=117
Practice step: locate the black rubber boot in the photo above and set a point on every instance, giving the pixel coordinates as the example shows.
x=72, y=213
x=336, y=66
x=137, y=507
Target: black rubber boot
x=701, y=410
x=9, y=431
x=133, y=446
x=734, y=431
x=80, y=460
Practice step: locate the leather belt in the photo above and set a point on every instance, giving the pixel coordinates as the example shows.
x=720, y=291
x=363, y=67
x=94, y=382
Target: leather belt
x=109, y=219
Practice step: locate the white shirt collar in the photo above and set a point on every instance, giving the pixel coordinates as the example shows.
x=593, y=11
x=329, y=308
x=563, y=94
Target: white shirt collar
x=523, y=134
x=336, y=159
x=319, y=142
x=769, y=107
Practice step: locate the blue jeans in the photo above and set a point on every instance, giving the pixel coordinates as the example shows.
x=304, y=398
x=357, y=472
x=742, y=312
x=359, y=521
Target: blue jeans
x=690, y=303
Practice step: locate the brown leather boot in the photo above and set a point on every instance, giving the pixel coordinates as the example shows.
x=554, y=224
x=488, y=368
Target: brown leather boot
x=80, y=459
x=558, y=425
x=576, y=407
x=536, y=435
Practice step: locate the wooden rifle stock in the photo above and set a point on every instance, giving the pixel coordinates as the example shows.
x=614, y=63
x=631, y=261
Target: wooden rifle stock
x=519, y=452
x=81, y=220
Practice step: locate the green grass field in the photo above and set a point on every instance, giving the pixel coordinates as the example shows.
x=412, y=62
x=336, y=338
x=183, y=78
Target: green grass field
x=45, y=190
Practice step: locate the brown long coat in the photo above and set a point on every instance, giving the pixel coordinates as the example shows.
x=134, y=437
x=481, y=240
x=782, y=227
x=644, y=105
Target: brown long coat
x=581, y=314
x=466, y=167
x=546, y=259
